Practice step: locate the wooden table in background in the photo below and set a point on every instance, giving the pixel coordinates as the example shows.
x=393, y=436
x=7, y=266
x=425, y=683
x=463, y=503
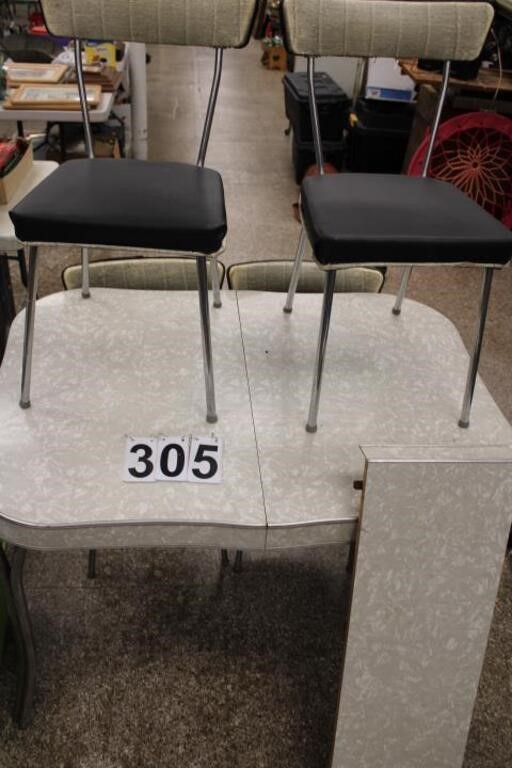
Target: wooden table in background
x=487, y=80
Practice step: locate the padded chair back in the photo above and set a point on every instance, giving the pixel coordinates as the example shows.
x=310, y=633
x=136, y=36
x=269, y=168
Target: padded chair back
x=390, y=28
x=160, y=274
x=275, y=276
x=210, y=23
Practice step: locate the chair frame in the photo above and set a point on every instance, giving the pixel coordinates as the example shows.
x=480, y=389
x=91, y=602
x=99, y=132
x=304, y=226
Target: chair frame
x=312, y=421
x=202, y=279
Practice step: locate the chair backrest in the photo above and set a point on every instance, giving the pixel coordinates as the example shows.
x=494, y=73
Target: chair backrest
x=275, y=276
x=210, y=23
x=433, y=29
x=444, y=30
x=166, y=273
x=215, y=24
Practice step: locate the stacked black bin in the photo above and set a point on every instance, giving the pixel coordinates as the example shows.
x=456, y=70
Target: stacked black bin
x=333, y=108
x=378, y=136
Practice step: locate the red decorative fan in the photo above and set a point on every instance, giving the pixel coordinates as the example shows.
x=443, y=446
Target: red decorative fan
x=474, y=153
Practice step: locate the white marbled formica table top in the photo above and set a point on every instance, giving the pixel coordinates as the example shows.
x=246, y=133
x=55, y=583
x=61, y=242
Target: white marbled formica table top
x=130, y=363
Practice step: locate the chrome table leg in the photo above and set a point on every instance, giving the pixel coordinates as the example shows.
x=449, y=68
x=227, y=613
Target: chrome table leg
x=11, y=579
x=202, y=280
x=330, y=281
x=477, y=348
x=28, y=341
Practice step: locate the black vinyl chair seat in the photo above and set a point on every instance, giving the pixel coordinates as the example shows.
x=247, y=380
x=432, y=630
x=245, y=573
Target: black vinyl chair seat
x=385, y=219
x=163, y=206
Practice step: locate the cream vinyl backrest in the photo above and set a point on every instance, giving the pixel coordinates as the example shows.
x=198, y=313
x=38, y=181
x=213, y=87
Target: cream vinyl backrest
x=210, y=23
x=388, y=28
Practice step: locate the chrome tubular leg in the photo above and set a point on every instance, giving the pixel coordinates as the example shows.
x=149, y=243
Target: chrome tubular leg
x=299, y=256
x=437, y=118
x=85, y=273
x=91, y=564
x=238, y=561
x=11, y=581
x=28, y=342
x=89, y=146
x=202, y=280
x=330, y=281
x=82, y=92
x=212, y=102
x=214, y=270
x=406, y=276
x=477, y=348
x=315, y=119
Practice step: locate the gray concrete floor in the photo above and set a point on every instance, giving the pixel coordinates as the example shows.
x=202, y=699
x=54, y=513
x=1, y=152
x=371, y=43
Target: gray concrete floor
x=166, y=660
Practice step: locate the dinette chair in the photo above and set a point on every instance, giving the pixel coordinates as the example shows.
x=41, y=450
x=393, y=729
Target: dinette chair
x=154, y=206
x=165, y=273
x=378, y=219
x=274, y=275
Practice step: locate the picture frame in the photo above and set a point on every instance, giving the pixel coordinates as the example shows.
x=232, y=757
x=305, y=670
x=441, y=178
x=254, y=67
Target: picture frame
x=19, y=73
x=63, y=96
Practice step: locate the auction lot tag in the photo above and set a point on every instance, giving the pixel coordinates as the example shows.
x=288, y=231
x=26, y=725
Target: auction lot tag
x=205, y=463
x=140, y=459
x=173, y=459
x=173, y=455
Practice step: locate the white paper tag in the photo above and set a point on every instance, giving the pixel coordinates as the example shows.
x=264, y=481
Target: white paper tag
x=140, y=459
x=205, y=461
x=173, y=453
x=173, y=459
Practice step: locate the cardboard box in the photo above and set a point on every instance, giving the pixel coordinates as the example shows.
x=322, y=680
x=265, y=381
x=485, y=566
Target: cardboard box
x=100, y=53
x=386, y=82
x=10, y=183
x=275, y=57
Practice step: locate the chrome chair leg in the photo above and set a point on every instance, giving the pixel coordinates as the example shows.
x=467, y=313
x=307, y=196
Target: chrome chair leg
x=477, y=348
x=299, y=256
x=28, y=342
x=330, y=282
x=22, y=266
x=85, y=273
x=214, y=270
x=202, y=281
x=406, y=276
